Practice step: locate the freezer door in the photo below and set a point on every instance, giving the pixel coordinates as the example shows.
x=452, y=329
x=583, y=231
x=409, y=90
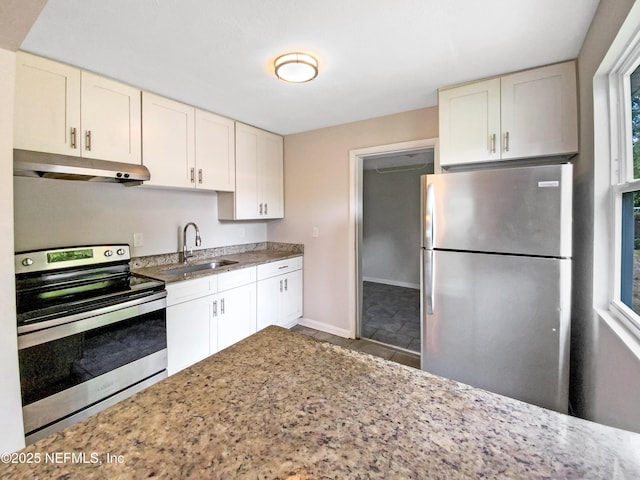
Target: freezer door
x=523, y=210
x=498, y=322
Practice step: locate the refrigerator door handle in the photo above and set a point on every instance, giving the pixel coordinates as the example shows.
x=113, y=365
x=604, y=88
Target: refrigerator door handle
x=429, y=220
x=428, y=282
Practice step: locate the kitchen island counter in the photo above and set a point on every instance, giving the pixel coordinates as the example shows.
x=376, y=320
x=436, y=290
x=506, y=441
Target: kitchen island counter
x=279, y=404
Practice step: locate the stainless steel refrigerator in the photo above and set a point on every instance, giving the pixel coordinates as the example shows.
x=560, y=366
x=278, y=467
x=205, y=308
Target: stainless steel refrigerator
x=496, y=280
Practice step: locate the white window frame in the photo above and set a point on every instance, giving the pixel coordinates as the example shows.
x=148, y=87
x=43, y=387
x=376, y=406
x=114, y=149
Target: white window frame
x=622, y=181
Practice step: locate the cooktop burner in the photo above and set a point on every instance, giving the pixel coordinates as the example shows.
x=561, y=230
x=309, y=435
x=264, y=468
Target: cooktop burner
x=61, y=282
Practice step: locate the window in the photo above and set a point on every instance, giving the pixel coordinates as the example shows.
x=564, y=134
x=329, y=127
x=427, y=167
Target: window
x=626, y=190
x=630, y=203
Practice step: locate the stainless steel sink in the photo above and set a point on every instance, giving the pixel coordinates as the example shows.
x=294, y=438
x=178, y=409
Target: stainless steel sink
x=199, y=267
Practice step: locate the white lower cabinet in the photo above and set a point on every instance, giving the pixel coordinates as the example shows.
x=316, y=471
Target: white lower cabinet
x=189, y=318
x=188, y=333
x=211, y=313
x=279, y=293
x=291, y=306
x=208, y=314
x=236, y=315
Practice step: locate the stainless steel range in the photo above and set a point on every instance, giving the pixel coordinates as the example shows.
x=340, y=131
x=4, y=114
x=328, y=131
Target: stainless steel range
x=90, y=333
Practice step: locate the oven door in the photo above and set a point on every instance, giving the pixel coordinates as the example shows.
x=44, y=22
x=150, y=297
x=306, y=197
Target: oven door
x=76, y=363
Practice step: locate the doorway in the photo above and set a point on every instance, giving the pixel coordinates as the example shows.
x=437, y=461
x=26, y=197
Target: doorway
x=390, y=256
x=386, y=220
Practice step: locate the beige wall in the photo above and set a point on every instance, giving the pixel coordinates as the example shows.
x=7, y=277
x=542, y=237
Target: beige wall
x=11, y=430
x=317, y=194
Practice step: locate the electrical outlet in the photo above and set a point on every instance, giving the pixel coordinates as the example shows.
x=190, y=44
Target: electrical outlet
x=315, y=232
x=241, y=232
x=138, y=240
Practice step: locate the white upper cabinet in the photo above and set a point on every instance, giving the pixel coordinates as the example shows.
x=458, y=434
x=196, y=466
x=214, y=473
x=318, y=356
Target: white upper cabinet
x=168, y=141
x=470, y=122
x=110, y=118
x=61, y=109
x=259, y=177
x=47, y=106
x=539, y=112
x=215, y=152
x=521, y=115
x=185, y=147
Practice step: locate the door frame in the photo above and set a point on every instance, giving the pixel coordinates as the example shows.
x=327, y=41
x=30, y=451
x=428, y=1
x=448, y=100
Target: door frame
x=356, y=159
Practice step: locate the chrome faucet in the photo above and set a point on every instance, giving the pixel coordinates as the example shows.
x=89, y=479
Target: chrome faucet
x=185, y=254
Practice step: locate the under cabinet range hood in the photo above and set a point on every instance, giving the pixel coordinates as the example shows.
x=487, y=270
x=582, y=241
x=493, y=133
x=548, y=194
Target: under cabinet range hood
x=64, y=167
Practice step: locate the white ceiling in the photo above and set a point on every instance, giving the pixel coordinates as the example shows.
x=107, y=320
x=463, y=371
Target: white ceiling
x=376, y=57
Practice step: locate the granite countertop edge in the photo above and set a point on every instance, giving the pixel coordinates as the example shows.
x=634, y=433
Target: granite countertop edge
x=155, y=266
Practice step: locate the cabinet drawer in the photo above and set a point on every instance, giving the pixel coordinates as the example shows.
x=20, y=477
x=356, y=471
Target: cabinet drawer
x=236, y=278
x=179, y=292
x=277, y=268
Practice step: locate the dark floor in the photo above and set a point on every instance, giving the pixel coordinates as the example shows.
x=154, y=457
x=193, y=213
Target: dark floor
x=376, y=349
x=391, y=315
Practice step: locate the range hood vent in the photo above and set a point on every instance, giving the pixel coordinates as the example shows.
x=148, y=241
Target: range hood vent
x=64, y=167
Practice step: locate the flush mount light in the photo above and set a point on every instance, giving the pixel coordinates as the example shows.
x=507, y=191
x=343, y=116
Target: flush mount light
x=296, y=67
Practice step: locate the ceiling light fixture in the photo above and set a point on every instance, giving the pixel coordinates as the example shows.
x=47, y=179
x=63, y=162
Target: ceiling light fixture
x=296, y=67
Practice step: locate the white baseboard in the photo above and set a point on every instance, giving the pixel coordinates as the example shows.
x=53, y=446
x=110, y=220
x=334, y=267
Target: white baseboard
x=395, y=283
x=324, y=327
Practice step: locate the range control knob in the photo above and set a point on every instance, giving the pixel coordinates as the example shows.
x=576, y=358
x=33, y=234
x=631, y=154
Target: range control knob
x=27, y=262
x=108, y=253
x=120, y=251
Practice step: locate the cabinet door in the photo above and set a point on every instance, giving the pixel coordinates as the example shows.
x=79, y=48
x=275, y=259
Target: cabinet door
x=215, y=152
x=247, y=195
x=236, y=315
x=213, y=324
x=111, y=118
x=270, y=175
x=269, y=301
x=188, y=333
x=259, y=176
x=47, y=106
x=291, y=306
x=469, y=120
x=539, y=112
x=168, y=141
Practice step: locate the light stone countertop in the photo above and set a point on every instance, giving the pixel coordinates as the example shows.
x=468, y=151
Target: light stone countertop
x=246, y=256
x=281, y=405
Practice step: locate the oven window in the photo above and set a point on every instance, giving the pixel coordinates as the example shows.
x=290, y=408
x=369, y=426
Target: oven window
x=55, y=366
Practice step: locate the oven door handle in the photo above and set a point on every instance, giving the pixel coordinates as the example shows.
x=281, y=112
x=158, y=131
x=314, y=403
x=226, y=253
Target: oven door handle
x=71, y=325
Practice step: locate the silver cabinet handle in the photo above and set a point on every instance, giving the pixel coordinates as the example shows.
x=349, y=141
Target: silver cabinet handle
x=265, y=208
x=429, y=281
x=193, y=175
x=222, y=306
x=280, y=286
x=492, y=143
x=73, y=138
x=506, y=141
x=286, y=284
x=87, y=140
x=200, y=175
x=215, y=308
x=260, y=209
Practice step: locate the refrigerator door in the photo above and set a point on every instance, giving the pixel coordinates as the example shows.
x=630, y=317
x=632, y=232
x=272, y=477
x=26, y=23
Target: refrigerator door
x=523, y=210
x=498, y=322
